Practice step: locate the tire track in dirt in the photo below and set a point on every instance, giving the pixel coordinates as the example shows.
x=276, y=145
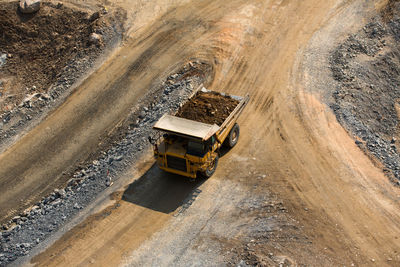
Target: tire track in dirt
x=34, y=165
x=309, y=162
x=245, y=63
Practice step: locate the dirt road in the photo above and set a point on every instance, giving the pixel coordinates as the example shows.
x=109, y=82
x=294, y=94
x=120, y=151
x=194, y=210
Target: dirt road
x=338, y=208
x=35, y=164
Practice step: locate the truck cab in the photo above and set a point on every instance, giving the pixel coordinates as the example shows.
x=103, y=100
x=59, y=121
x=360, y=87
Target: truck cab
x=186, y=152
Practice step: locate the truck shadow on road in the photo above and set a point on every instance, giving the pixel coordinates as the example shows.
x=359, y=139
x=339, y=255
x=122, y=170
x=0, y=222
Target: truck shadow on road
x=163, y=192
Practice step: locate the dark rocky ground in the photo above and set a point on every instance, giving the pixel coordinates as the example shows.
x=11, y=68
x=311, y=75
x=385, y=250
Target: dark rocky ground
x=44, y=54
x=24, y=232
x=366, y=101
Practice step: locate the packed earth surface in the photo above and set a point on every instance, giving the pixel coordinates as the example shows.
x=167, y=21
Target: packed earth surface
x=313, y=181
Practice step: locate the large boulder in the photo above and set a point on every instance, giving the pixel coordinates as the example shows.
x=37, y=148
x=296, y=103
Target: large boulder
x=29, y=6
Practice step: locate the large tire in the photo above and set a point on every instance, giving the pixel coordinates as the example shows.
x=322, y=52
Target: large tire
x=211, y=169
x=233, y=136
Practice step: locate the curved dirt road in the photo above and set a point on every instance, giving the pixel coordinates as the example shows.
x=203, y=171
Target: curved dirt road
x=342, y=209
x=34, y=166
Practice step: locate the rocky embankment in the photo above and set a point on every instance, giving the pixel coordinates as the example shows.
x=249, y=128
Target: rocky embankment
x=27, y=230
x=366, y=101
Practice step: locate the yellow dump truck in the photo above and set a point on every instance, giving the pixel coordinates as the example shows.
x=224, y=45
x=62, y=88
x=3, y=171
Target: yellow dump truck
x=191, y=147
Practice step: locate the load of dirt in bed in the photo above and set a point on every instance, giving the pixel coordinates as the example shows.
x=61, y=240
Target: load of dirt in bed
x=208, y=107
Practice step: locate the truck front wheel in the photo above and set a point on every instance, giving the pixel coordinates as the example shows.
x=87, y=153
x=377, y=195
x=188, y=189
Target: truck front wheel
x=233, y=136
x=211, y=169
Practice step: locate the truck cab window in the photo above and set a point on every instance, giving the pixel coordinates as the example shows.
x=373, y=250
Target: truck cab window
x=195, y=148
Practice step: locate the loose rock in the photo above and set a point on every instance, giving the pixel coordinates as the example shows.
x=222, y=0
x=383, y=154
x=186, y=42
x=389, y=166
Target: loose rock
x=54, y=211
x=94, y=16
x=95, y=38
x=29, y=6
x=367, y=89
x=3, y=59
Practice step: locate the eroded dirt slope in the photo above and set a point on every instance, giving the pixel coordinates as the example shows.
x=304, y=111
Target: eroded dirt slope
x=44, y=54
x=39, y=45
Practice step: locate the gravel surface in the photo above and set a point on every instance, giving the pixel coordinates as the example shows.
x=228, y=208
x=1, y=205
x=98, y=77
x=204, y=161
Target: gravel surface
x=367, y=67
x=27, y=230
x=226, y=222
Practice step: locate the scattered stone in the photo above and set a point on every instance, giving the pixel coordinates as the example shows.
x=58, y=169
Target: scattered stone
x=95, y=38
x=55, y=202
x=3, y=59
x=365, y=97
x=62, y=193
x=94, y=16
x=142, y=115
x=44, y=96
x=29, y=6
x=25, y=245
x=55, y=210
x=109, y=181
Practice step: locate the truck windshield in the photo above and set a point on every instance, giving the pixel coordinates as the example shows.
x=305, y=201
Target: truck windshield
x=195, y=148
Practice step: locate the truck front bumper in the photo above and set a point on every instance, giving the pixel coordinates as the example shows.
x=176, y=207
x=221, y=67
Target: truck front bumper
x=187, y=174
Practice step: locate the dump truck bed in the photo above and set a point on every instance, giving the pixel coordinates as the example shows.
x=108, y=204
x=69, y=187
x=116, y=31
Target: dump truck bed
x=185, y=127
x=197, y=131
x=209, y=110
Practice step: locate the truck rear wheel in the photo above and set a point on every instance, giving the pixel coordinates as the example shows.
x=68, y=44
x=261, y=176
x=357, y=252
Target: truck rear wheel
x=211, y=169
x=233, y=136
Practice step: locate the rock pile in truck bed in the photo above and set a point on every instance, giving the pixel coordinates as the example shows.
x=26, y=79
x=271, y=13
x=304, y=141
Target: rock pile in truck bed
x=208, y=107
